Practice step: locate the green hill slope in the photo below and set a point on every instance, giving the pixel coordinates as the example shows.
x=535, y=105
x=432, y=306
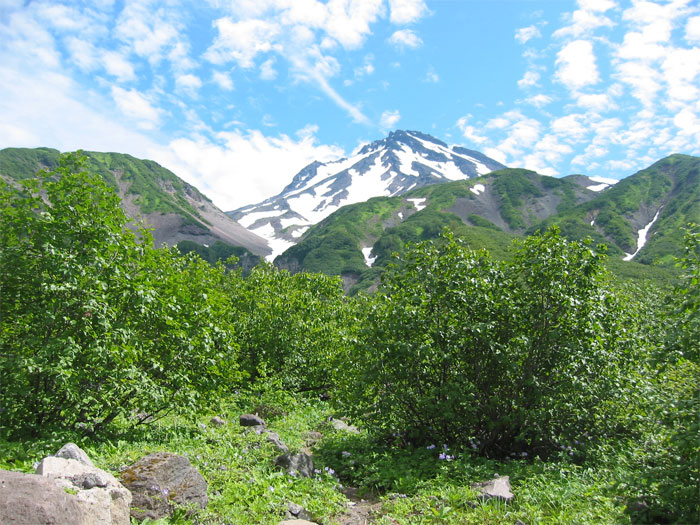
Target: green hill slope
x=175, y=210
x=664, y=197
x=357, y=241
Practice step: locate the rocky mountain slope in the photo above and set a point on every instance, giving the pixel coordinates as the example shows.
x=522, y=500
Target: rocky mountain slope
x=640, y=218
x=174, y=209
x=403, y=161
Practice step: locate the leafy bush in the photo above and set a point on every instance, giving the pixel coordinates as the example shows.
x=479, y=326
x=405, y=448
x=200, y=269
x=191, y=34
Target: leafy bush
x=289, y=326
x=95, y=322
x=509, y=356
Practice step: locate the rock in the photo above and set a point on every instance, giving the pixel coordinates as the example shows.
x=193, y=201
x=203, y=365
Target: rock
x=519, y=522
x=161, y=481
x=274, y=438
x=341, y=425
x=217, y=421
x=295, y=511
x=102, y=498
x=296, y=522
x=498, y=488
x=297, y=465
x=73, y=451
x=28, y=499
x=251, y=420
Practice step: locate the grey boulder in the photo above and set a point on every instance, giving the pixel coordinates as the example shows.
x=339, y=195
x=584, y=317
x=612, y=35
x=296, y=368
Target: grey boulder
x=159, y=482
x=28, y=499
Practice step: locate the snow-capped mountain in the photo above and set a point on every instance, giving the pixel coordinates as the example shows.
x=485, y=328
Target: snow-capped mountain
x=392, y=166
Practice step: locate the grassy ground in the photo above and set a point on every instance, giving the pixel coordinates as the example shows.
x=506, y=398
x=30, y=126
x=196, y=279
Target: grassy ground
x=406, y=485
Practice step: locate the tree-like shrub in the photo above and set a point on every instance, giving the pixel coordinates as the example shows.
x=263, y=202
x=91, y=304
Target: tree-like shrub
x=289, y=326
x=95, y=322
x=500, y=356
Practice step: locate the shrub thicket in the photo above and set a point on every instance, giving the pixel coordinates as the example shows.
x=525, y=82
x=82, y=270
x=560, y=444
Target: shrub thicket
x=97, y=323
x=512, y=356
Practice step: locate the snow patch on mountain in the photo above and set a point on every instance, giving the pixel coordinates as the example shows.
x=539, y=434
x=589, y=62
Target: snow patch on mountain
x=418, y=203
x=477, y=189
x=642, y=237
x=392, y=166
x=369, y=260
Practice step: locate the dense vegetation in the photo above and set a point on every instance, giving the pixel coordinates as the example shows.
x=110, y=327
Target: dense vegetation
x=537, y=365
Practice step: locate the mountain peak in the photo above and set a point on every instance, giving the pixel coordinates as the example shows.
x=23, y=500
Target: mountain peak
x=394, y=165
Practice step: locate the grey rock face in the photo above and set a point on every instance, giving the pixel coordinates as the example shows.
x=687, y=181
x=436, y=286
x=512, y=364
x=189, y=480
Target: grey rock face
x=28, y=499
x=341, y=425
x=274, y=438
x=297, y=465
x=160, y=481
x=73, y=451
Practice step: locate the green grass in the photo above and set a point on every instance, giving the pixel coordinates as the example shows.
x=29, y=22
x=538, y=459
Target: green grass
x=412, y=484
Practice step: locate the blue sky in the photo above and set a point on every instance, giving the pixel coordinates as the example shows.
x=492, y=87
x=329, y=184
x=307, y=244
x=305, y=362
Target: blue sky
x=237, y=96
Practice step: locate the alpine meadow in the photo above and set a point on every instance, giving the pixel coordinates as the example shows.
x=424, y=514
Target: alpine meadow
x=349, y=262
x=537, y=364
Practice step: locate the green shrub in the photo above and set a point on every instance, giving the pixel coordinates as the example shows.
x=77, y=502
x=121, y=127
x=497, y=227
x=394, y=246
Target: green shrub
x=289, y=326
x=502, y=356
x=95, y=322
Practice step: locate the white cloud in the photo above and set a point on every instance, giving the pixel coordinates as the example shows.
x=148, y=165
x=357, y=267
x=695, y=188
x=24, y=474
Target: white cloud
x=687, y=122
x=223, y=80
x=681, y=70
x=118, y=66
x=242, y=41
x=348, y=22
x=83, y=53
x=524, y=34
x=432, y=77
x=470, y=132
x=188, y=82
x=135, y=105
x=642, y=78
x=531, y=78
x=587, y=19
x=540, y=100
x=230, y=169
x=405, y=38
x=573, y=127
x=596, y=102
x=577, y=65
x=389, y=119
x=145, y=30
x=406, y=11
x=267, y=70
x=692, y=30
x=64, y=117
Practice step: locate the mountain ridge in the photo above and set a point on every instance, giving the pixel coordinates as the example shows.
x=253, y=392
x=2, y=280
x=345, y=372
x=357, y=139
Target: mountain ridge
x=174, y=209
x=391, y=166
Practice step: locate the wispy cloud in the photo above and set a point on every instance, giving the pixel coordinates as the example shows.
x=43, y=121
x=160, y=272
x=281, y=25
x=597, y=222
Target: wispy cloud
x=405, y=38
x=389, y=119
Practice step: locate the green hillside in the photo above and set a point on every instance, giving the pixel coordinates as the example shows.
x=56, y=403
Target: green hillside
x=156, y=189
x=671, y=187
x=489, y=211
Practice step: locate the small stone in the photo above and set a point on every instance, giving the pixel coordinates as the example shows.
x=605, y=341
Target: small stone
x=217, y=421
x=498, y=488
x=73, y=451
x=341, y=425
x=297, y=465
x=274, y=438
x=251, y=420
x=312, y=438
